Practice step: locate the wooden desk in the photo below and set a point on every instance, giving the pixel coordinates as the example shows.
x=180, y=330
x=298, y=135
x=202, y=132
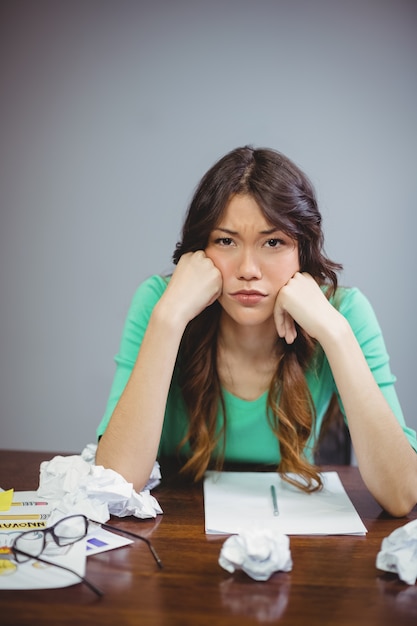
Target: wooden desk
x=333, y=582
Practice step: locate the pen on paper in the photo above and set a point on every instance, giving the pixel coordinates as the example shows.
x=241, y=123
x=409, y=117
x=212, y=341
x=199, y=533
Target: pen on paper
x=274, y=500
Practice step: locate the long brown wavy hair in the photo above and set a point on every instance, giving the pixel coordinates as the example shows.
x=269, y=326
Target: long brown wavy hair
x=287, y=199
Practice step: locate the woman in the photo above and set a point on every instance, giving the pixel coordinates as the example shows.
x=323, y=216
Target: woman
x=237, y=355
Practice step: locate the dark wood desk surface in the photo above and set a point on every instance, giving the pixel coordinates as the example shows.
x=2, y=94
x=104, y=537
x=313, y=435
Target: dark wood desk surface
x=333, y=582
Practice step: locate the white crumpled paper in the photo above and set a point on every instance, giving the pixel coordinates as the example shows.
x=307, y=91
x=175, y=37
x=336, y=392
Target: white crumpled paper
x=259, y=553
x=74, y=484
x=398, y=553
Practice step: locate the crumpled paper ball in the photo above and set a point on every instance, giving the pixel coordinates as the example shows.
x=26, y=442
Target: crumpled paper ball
x=259, y=553
x=398, y=553
x=74, y=484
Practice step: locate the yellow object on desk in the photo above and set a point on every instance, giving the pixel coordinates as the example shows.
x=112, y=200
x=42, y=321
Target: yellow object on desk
x=6, y=498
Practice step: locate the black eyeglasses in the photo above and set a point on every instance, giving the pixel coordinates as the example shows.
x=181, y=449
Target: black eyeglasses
x=31, y=544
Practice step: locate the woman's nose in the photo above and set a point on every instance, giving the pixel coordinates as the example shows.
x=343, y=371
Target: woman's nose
x=249, y=267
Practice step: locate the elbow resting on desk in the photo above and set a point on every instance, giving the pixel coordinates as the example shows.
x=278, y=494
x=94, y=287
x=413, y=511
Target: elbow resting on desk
x=397, y=501
x=127, y=469
x=399, y=507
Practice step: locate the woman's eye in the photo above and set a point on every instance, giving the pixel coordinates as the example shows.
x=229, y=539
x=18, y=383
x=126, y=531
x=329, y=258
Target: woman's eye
x=224, y=241
x=274, y=243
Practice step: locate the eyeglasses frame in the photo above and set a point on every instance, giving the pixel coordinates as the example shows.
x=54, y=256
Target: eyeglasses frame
x=50, y=530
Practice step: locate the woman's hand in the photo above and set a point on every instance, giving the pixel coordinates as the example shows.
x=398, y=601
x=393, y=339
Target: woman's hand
x=376, y=433
x=195, y=284
x=301, y=300
x=134, y=431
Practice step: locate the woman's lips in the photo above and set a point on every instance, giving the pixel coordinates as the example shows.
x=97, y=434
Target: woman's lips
x=249, y=298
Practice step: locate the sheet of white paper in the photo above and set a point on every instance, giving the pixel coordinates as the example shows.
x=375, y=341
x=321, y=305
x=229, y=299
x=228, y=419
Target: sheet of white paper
x=238, y=501
x=30, y=512
x=100, y=540
x=35, y=575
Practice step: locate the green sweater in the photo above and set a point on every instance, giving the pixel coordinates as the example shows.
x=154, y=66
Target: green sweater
x=249, y=438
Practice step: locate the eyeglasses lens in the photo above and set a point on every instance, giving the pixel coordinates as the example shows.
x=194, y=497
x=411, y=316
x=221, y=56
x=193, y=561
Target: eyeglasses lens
x=31, y=544
x=70, y=530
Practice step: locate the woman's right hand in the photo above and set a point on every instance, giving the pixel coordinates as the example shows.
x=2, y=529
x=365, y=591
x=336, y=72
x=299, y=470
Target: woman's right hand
x=134, y=430
x=195, y=284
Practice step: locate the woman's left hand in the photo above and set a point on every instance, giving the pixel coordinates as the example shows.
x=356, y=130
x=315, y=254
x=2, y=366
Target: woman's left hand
x=375, y=431
x=301, y=300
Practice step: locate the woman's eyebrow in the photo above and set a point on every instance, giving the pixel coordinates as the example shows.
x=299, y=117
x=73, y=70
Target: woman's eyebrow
x=228, y=231
x=271, y=231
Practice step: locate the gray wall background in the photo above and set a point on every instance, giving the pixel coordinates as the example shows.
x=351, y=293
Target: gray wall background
x=111, y=111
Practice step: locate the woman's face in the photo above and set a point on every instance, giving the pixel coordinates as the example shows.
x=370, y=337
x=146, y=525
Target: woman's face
x=255, y=260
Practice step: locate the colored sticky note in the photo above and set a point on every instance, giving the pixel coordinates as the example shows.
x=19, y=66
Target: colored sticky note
x=6, y=498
